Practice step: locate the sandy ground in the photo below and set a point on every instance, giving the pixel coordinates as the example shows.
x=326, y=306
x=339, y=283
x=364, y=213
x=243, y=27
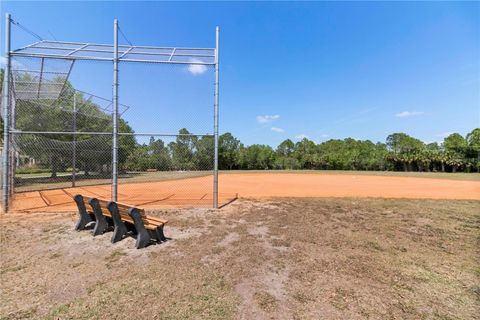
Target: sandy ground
x=196, y=192
x=272, y=259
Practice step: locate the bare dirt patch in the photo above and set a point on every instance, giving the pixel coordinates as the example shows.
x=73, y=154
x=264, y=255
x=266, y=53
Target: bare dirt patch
x=275, y=259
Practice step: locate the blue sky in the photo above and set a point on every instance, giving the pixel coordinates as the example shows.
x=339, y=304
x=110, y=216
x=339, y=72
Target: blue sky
x=288, y=70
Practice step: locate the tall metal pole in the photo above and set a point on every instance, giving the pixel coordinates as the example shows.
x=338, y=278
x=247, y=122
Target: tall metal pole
x=13, y=154
x=215, y=121
x=74, y=151
x=6, y=117
x=115, y=113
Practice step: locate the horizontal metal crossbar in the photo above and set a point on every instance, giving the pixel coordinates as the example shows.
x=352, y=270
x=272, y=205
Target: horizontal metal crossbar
x=38, y=71
x=109, y=45
x=150, y=134
x=95, y=51
x=43, y=83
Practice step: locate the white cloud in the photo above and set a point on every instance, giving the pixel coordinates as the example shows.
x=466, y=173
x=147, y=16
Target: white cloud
x=278, y=129
x=266, y=118
x=196, y=69
x=324, y=135
x=301, y=136
x=405, y=114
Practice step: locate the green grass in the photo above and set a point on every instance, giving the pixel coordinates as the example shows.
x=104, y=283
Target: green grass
x=31, y=170
x=31, y=182
x=434, y=175
x=41, y=174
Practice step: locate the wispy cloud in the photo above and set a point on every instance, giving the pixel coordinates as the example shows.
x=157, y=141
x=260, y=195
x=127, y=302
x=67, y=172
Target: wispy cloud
x=356, y=117
x=276, y=129
x=267, y=118
x=324, y=135
x=196, y=69
x=14, y=63
x=444, y=134
x=405, y=114
x=301, y=136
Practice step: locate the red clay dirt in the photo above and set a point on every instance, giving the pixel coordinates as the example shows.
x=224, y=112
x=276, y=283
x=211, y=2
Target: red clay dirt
x=195, y=192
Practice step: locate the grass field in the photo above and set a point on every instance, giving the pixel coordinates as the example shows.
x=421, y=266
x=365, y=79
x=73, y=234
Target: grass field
x=41, y=181
x=434, y=175
x=276, y=259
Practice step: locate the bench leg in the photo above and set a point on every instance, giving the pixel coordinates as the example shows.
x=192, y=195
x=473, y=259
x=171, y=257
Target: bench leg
x=85, y=218
x=120, y=230
x=102, y=224
x=143, y=236
x=160, y=235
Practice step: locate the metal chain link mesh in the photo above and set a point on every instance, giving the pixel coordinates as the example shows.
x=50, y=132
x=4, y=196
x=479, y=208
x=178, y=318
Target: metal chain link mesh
x=173, y=133
x=61, y=134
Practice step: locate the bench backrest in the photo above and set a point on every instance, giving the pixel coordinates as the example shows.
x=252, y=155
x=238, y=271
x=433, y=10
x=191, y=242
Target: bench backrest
x=103, y=205
x=122, y=210
x=87, y=204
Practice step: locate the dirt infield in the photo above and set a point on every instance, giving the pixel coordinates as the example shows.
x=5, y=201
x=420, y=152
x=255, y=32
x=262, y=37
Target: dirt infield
x=174, y=194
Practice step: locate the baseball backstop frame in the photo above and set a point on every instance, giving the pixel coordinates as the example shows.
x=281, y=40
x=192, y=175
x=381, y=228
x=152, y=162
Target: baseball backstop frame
x=114, y=53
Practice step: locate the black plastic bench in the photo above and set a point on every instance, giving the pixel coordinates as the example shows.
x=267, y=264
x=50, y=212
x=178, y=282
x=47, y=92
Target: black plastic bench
x=102, y=223
x=125, y=219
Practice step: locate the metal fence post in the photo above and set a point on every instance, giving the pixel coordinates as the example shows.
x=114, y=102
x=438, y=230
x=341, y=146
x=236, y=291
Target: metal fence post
x=6, y=117
x=115, y=113
x=74, y=147
x=215, y=120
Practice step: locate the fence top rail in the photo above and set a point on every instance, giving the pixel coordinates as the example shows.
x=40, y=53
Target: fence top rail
x=129, y=53
x=98, y=133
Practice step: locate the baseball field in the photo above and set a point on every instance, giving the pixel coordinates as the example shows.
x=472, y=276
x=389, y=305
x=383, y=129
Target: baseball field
x=173, y=192
x=295, y=245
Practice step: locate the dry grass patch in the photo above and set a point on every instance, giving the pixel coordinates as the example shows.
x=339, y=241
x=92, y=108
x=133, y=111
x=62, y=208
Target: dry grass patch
x=277, y=259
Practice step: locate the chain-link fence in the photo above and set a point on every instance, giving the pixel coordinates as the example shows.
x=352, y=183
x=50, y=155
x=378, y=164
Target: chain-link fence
x=61, y=131
x=60, y=136
x=174, y=151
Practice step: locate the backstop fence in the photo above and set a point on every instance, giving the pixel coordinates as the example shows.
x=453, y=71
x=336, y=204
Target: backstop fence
x=63, y=131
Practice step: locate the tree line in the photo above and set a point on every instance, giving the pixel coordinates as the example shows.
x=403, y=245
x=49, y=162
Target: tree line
x=400, y=152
